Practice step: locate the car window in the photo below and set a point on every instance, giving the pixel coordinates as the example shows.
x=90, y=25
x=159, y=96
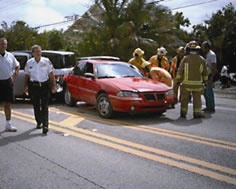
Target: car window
x=22, y=60
x=60, y=61
x=109, y=70
x=88, y=68
x=56, y=59
x=69, y=61
x=78, y=69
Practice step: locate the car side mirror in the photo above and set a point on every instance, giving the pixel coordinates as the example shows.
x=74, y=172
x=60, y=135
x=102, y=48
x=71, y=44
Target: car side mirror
x=89, y=75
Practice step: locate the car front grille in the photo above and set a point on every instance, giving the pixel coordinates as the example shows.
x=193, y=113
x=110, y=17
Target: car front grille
x=154, y=96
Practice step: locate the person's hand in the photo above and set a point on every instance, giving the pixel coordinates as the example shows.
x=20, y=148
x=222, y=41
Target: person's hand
x=210, y=81
x=26, y=90
x=13, y=78
x=54, y=89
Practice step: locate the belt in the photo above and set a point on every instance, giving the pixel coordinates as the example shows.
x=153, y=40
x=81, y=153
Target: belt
x=39, y=84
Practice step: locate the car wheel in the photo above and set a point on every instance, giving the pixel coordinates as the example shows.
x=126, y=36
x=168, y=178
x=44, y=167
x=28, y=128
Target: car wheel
x=69, y=100
x=104, y=107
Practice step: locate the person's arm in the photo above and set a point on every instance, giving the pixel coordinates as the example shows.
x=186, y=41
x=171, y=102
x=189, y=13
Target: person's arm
x=26, y=80
x=53, y=82
x=173, y=67
x=212, y=60
x=213, y=72
x=167, y=64
x=15, y=73
x=204, y=73
x=180, y=72
x=16, y=65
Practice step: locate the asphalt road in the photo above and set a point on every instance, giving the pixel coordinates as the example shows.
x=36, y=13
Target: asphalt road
x=143, y=151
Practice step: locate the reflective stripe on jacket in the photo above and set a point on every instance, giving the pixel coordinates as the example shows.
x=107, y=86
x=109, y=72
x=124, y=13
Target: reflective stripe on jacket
x=192, y=72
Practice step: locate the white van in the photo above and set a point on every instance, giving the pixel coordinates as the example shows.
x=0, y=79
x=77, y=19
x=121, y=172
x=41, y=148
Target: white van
x=62, y=61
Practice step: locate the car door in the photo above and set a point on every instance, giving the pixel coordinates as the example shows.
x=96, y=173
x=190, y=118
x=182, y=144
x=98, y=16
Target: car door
x=89, y=86
x=19, y=82
x=74, y=80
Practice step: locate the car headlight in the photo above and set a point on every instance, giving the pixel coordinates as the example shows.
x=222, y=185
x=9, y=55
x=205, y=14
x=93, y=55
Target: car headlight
x=127, y=94
x=170, y=92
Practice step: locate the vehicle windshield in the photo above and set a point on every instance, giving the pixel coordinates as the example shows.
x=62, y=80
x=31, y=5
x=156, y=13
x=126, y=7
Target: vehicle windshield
x=69, y=61
x=61, y=61
x=113, y=70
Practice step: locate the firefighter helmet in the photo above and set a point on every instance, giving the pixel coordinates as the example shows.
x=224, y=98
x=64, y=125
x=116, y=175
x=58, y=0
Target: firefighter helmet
x=145, y=64
x=138, y=52
x=193, y=45
x=180, y=50
x=161, y=51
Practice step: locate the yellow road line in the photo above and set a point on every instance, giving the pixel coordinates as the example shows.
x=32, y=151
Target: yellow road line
x=192, y=136
x=180, y=135
x=147, y=148
x=156, y=158
x=184, y=138
x=71, y=121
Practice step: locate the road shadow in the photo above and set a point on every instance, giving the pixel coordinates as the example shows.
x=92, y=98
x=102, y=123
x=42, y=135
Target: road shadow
x=144, y=119
x=27, y=135
x=183, y=122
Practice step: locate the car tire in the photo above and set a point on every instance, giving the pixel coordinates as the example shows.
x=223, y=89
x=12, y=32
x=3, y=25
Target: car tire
x=69, y=100
x=104, y=107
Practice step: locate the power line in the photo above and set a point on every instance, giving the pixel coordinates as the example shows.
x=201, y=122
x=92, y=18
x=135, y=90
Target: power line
x=187, y=6
x=13, y=5
x=56, y=23
x=192, y=5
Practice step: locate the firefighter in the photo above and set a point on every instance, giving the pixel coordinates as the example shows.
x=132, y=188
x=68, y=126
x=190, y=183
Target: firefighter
x=192, y=74
x=174, y=67
x=160, y=59
x=146, y=67
x=161, y=75
x=137, y=59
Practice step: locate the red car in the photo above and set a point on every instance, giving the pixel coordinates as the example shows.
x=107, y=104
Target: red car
x=113, y=85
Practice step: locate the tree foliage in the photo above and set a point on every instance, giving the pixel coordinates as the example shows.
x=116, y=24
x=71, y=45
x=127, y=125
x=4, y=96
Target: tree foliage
x=55, y=40
x=117, y=27
x=126, y=25
x=220, y=30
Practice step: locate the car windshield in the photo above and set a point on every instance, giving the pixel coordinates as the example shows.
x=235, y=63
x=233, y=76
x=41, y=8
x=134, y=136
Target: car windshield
x=113, y=70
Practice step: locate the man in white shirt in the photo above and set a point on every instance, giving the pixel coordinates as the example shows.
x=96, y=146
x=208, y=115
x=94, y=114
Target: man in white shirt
x=225, y=77
x=9, y=68
x=211, y=69
x=38, y=75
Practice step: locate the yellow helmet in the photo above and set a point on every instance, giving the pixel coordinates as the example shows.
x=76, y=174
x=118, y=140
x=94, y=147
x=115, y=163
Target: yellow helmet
x=180, y=50
x=138, y=52
x=145, y=64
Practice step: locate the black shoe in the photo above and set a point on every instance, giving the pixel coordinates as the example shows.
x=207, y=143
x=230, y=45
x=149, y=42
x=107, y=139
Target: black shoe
x=198, y=116
x=39, y=126
x=209, y=110
x=182, y=115
x=45, y=130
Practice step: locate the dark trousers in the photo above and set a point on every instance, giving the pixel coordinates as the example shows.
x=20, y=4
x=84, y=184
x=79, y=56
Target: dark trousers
x=39, y=95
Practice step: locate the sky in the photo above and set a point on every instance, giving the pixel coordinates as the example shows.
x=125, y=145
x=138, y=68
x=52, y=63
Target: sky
x=42, y=12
